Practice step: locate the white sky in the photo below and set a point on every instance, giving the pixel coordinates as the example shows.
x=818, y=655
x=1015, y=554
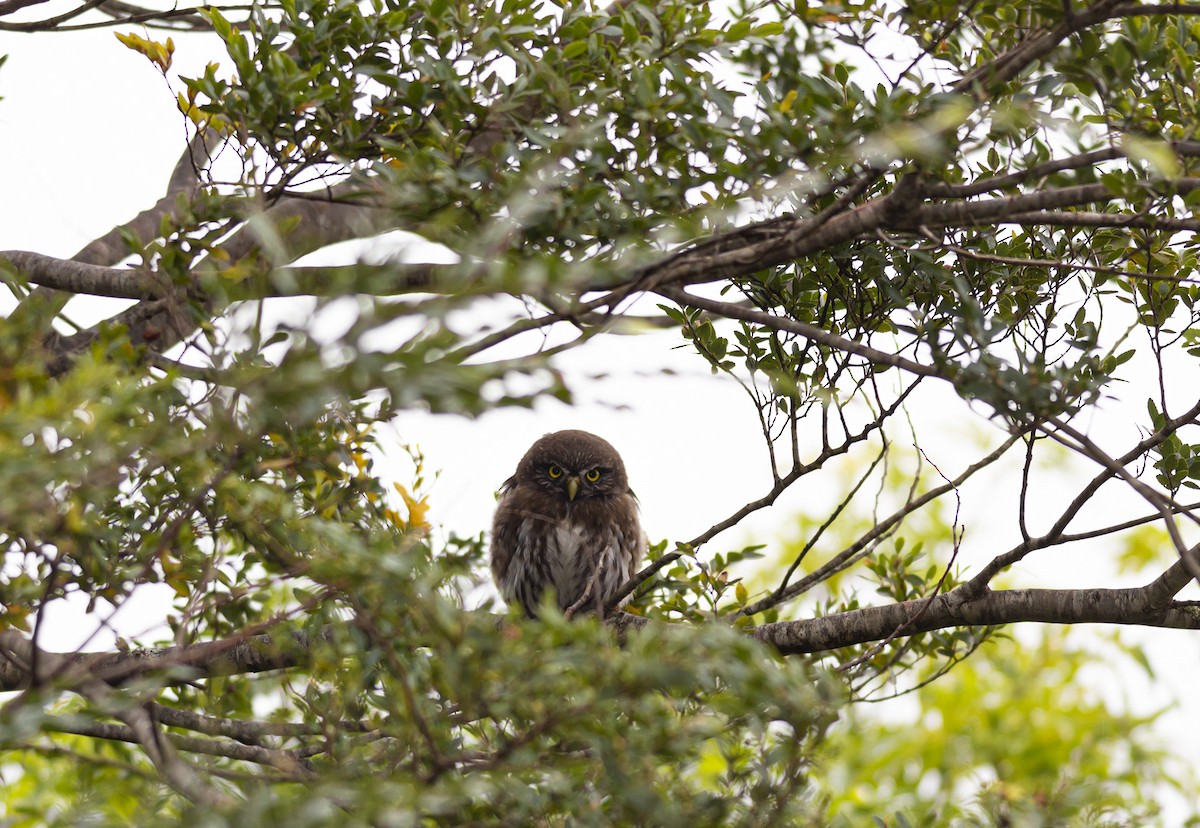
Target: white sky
x=88, y=135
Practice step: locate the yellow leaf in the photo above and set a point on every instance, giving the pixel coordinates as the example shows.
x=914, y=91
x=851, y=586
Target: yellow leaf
x=187, y=106
x=15, y=616
x=159, y=53
x=712, y=765
x=238, y=272
x=789, y=100
x=417, y=509
x=138, y=44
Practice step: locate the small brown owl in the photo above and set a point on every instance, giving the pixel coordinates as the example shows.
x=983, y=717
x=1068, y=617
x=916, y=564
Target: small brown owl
x=567, y=520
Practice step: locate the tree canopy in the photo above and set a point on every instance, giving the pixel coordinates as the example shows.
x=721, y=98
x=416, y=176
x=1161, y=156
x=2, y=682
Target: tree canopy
x=857, y=212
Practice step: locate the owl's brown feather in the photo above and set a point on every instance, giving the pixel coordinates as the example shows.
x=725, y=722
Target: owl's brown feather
x=582, y=546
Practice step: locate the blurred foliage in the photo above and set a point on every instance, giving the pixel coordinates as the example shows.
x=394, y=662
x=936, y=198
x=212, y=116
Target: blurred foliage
x=554, y=150
x=1015, y=736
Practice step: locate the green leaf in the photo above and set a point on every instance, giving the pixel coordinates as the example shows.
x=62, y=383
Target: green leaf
x=575, y=49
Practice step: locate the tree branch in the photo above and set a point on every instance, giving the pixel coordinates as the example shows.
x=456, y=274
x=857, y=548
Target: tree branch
x=389, y=279
x=995, y=73
x=812, y=332
x=20, y=655
x=843, y=559
x=1185, y=149
x=1055, y=535
x=1144, y=606
x=802, y=469
x=1047, y=606
x=1084, y=218
x=234, y=656
x=290, y=761
x=77, y=277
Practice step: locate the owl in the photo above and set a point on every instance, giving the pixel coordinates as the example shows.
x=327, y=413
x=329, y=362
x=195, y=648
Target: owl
x=567, y=521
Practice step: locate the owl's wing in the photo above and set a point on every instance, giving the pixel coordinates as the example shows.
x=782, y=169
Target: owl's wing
x=515, y=550
x=504, y=530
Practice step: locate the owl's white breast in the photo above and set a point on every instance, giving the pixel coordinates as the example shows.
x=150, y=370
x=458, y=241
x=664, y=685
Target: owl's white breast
x=569, y=566
x=571, y=558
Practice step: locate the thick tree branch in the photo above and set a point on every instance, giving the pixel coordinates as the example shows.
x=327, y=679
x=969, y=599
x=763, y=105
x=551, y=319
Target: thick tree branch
x=19, y=654
x=44, y=303
x=235, y=656
x=1083, y=218
x=277, y=236
x=112, y=247
x=958, y=213
x=145, y=732
x=1002, y=182
x=77, y=277
x=1047, y=606
x=299, y=223
x=992, y=75
x=1145, y=606
x=390, y=279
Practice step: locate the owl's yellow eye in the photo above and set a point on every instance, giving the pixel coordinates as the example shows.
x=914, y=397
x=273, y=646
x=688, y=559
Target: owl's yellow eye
x=593, y=475
x=554, y=471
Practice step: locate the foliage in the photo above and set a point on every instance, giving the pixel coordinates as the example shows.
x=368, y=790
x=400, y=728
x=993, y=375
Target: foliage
x=846, y=209
x=1012, y=736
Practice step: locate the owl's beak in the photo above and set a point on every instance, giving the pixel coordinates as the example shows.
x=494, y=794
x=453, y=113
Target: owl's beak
x=572, y=487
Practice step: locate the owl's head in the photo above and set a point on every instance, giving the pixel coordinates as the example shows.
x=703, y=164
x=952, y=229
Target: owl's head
x=575, y=465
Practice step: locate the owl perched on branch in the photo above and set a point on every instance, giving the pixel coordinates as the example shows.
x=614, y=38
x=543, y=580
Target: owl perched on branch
x=566, y=521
